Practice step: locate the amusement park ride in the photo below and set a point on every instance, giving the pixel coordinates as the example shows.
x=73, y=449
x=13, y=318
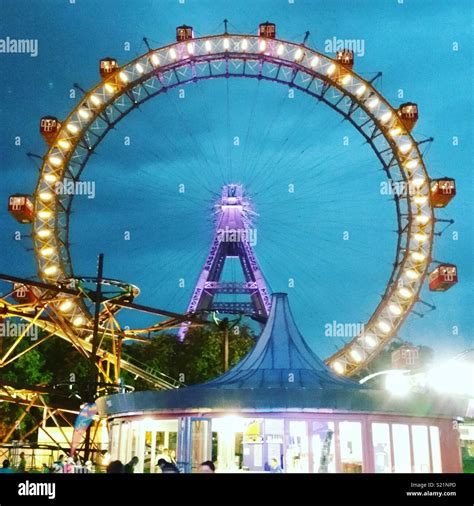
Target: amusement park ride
x=82, y=310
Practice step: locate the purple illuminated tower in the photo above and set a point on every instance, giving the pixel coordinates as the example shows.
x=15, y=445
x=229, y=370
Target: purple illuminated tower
x=234, y=237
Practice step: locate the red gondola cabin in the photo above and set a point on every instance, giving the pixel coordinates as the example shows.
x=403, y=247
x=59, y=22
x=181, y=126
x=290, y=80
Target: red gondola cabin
x=49, y=128
x=23, y=293
x=345, y=57
x=21, y=208
x=408, y=113
x=267, y=30
x=443, y=277
x=184, y=32
x=442, y=191
x=107, y=66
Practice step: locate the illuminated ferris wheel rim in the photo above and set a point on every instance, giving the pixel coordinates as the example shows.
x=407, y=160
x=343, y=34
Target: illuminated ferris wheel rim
x=233, y=55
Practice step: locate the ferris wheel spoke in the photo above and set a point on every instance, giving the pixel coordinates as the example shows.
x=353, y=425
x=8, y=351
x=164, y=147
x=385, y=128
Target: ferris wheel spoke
x=289, y=135
x=168, y=143
x=333, y=245
x=306, y=278
x=210, y=131
x=311, y=280
x=299, y=152
x=185, y=127
x=326, y=249
x=228, y=131
x=146, y=148
x=254, y=164
x=300, y=170
x=250, y=126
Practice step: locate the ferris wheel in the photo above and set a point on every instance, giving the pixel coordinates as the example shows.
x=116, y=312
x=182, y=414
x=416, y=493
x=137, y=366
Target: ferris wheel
x=329, y=79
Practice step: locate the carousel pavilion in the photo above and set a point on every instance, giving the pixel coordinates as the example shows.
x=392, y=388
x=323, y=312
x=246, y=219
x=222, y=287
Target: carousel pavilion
x=282, y=402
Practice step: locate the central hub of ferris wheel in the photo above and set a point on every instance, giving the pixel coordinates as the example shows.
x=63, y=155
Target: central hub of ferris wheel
x=234, y=237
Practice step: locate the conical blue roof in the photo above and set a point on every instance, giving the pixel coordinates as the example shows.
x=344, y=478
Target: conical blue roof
x=281, y=358
x=280, y=374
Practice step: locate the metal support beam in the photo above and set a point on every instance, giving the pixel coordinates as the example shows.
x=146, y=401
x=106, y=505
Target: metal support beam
x=70, y=291
x=19, y=420
x=95, y=345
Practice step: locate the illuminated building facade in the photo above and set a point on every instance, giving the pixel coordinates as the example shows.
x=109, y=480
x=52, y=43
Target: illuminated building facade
x=282, y=404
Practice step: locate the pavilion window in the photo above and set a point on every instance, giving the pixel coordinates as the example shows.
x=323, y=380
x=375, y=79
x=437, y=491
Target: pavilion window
x=172, y=440
x=160, y=439
x=421, y=449
x=435, y=450
x=148, y=463
x=323, y=446
x=274, y=439
x=297, y=458
x=114, y=440
x=350, y=437
x=382, y=448
x=125, y=441
x=201, y=442
x=134, y=446
x=401, y=448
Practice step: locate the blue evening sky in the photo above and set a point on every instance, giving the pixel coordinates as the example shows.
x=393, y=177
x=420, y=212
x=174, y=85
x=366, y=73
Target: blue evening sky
x=283, y=141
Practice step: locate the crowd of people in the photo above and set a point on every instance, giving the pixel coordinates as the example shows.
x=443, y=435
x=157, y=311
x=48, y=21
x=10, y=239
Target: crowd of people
x=63, y=464
x=163, y=466
x=69, y=465
x=166, y=463
x=20, y=468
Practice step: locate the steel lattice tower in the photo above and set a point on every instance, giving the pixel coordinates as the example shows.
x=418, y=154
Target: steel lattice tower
x=232, y=239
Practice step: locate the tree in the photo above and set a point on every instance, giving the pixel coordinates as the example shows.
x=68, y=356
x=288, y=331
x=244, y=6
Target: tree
x=56, y=365
x=197, y=359
x=26, y=372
